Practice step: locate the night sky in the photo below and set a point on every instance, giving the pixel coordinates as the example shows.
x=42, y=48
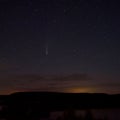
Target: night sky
x=60, y=45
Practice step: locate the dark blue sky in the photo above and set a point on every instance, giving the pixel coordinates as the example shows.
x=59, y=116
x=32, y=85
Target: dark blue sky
x=60, y=39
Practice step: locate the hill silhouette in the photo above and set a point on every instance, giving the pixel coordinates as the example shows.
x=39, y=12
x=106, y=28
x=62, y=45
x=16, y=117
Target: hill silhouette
x=40, y=104
x=58, y=101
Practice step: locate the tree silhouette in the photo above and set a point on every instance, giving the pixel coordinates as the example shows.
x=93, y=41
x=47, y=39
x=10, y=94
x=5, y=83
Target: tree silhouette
x=88, y=115
x=105, y=118
x=59, y=118
x=69, y=115
x=80, y=117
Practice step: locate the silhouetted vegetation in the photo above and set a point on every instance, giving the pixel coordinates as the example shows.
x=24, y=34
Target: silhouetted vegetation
x=35, y=106
x=67, y=115
x=70, y=115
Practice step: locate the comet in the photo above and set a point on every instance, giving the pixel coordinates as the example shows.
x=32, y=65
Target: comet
x=46, y=50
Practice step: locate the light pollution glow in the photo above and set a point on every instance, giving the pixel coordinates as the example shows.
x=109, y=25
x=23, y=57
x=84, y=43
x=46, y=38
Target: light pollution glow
x=89, y=89
x=80, y=90
x=66, y=90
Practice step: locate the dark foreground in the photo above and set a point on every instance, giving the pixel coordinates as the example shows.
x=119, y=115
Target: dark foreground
x=39, y=105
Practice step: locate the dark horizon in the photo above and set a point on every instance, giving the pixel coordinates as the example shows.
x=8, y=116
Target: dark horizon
x=57, y=92
x=38, y=105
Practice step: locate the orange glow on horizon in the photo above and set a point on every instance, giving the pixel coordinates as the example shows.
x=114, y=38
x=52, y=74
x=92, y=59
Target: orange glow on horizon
x=65, y=90
x=80, y=90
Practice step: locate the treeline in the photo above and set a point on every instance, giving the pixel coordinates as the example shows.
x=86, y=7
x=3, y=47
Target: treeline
x=70, y=115
x=36, y=115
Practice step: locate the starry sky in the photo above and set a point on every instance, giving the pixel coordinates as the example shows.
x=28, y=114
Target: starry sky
x=60, y=45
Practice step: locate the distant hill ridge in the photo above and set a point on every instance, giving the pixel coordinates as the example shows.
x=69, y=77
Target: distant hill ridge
x=59, y=100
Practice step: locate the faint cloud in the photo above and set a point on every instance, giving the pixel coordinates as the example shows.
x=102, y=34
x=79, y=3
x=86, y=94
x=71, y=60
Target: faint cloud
x=35, y=77
x=35, y=82
x=108, y=84
x=75, y=77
